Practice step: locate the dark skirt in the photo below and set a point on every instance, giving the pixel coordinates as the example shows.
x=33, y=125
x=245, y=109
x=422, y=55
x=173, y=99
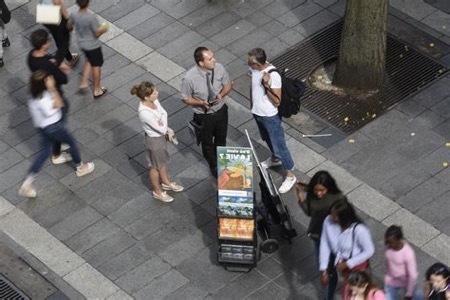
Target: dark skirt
x=157, y=155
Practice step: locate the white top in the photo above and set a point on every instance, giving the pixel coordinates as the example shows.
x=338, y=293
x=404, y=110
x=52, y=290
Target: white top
x=42, y=111
x=154, y=120
x=262, y=106
x=328, y=242
x=354, y=241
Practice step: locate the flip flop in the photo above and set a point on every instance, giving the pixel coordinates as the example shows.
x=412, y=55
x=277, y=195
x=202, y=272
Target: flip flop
x=104, y=91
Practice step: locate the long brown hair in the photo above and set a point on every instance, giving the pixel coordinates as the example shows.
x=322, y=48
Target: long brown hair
x=37, y=83
x=359, y=279
x=142, y=90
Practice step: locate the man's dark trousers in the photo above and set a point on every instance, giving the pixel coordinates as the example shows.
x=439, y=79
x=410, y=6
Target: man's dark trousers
x=214, y=134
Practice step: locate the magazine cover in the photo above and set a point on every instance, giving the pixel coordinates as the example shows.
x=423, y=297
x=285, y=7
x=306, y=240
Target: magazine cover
x=235, y=182
x=238, y=229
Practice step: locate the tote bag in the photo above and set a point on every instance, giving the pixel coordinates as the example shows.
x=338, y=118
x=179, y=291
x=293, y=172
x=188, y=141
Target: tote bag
x=48, y=14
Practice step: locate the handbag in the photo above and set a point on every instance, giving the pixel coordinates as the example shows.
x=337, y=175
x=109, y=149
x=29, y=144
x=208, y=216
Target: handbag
x=49, y=14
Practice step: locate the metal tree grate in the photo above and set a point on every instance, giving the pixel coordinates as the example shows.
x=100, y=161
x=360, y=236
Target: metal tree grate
x=407, y=69
x=9, y=291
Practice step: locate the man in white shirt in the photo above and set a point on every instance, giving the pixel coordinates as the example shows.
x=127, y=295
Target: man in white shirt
x=266, y=97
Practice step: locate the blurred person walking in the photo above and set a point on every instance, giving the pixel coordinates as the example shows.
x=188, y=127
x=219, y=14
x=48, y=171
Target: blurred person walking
x=437, y=286
x=401, y=267
x=155, y=123
x=39, y=59
x=88, y=32
x=61, y=35
x=361, y=287
x=45, y=110
x=5, y=17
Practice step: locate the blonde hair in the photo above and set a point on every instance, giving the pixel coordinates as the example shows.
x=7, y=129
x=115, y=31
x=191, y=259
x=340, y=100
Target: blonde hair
x=142, y=90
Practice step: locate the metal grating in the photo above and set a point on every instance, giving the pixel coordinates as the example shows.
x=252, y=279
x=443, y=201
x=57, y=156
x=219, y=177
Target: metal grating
x=407, y=69
x=9, y=291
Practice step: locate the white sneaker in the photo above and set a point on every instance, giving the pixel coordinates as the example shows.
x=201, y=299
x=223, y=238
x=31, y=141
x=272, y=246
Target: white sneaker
x=269, y=163
x=65, y=147
x=85, y=168
x=287, y=184
x=172, y=187
x=163, y=197
x=27, y=191
x=61, y=159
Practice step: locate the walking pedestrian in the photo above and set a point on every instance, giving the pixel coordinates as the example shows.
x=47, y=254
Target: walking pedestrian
x=265, y=112
x=321, y=193
x=361, y=287
x=45, y=110
x=204, y=87
x=401, y=267
x=350, y=241
x=437, y=286
x=39, y=59
x=88, y=32
x=155, y=123
x=61, y=35
x=5, y=17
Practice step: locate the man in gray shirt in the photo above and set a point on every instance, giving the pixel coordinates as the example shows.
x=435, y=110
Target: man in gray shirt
x=204, y=87
x=88, y=31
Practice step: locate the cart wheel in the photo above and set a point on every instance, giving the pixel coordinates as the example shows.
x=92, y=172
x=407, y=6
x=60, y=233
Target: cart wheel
x=269, y=246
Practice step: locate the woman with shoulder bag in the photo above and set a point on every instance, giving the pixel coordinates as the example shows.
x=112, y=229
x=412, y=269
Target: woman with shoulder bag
x=154, y=120
x=351, y=242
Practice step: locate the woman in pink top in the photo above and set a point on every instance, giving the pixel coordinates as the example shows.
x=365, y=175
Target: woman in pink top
x=401, y=268
x=361, y=287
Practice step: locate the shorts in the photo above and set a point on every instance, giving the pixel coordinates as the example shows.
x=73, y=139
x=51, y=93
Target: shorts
x=95, y=56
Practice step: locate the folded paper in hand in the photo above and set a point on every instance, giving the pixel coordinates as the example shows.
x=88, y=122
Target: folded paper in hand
x=196, y=131
x=171, y=137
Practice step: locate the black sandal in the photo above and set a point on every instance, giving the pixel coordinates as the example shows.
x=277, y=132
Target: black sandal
x=104, y=91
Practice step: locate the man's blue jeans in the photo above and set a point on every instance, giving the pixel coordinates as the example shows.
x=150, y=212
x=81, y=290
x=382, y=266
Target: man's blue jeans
x=395, y=293
x=272, y=133
x=49, y=135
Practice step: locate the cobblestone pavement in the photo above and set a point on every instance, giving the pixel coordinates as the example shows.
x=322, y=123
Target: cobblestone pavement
x=103, y=236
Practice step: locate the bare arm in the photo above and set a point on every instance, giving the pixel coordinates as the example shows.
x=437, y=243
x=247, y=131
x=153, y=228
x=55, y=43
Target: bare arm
x=64, y=10
x=274, y=94
x=101, y=30
x=50, y=84
x=225, y=91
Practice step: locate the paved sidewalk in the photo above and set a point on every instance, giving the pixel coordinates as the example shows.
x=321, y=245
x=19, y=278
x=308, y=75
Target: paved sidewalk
x=103, y=236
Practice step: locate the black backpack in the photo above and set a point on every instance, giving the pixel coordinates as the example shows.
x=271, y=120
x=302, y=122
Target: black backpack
x=6, y=13
x=292, y=90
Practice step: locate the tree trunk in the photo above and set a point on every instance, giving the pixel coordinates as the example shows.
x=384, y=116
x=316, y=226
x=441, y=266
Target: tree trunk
x=362, y=54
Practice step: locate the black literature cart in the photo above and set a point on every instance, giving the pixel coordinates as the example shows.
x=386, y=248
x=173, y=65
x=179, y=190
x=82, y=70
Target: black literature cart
x=236, y=226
